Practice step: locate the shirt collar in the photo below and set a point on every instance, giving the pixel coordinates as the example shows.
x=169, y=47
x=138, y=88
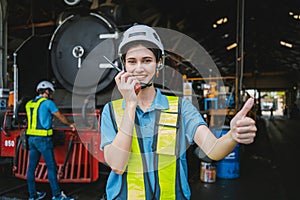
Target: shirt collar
x=38, y=97
x=160, y=102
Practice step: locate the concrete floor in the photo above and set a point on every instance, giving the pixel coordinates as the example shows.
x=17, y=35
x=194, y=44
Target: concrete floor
x=268, y=169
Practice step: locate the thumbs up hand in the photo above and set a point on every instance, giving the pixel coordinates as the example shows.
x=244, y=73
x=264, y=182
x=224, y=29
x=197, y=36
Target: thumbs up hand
x=243, y=129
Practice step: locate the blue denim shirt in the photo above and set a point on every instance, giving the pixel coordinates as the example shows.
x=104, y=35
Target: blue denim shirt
x=191, y=119
x=45, y=111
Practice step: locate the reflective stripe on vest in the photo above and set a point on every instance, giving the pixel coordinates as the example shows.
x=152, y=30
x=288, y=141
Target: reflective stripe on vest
x=135, y=175
x=32, y=117
x=166, y=146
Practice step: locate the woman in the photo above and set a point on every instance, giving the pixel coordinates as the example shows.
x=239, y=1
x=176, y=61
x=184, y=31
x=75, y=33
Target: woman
x=145, y=134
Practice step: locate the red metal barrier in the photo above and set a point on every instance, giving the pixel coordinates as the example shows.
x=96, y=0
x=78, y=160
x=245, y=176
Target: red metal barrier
x=77, y=154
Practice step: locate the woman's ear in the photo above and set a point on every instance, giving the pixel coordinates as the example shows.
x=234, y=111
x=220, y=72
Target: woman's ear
x=159, y=65
x=157, y=72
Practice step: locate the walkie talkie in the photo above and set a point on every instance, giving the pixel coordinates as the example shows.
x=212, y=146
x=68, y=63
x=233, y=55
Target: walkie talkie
x=137, y=86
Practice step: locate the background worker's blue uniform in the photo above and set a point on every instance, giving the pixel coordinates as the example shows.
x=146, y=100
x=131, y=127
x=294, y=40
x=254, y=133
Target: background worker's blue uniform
x=43, y=145
x=191, y=119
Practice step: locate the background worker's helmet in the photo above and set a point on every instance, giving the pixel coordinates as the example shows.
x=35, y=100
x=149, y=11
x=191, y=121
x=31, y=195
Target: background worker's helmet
x=140, y=33
x=45, y=85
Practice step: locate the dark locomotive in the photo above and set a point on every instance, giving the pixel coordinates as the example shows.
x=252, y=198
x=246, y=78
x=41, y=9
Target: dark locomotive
x=58, y=57
x=72, y=58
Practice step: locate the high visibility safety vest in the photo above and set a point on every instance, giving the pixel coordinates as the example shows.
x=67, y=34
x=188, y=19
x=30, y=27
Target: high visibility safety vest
x=32, y=117
x=167, y=176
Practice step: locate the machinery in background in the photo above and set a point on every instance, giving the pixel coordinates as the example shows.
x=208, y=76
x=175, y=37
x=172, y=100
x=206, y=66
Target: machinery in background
x=71, y=57
x=58, y=58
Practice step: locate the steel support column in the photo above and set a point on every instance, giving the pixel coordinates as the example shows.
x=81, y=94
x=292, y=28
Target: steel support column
x=239, y=53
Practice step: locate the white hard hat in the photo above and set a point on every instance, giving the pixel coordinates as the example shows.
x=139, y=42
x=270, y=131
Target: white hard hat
x=140, y=33
x=45, y=85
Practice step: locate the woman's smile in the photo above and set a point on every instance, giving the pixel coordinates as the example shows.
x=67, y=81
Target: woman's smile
x=140, y=77
x=141, y=62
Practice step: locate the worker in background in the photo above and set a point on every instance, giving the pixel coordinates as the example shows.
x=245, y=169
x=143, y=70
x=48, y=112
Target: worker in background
x=271, y=112
x=39, y=112
x=145, y=134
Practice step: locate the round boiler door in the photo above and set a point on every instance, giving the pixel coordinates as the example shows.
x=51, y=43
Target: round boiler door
x=77, y=48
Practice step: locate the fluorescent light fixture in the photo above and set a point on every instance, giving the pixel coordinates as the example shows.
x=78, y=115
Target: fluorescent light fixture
x=220, y=22
x=286, y=44
x=233, y=45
